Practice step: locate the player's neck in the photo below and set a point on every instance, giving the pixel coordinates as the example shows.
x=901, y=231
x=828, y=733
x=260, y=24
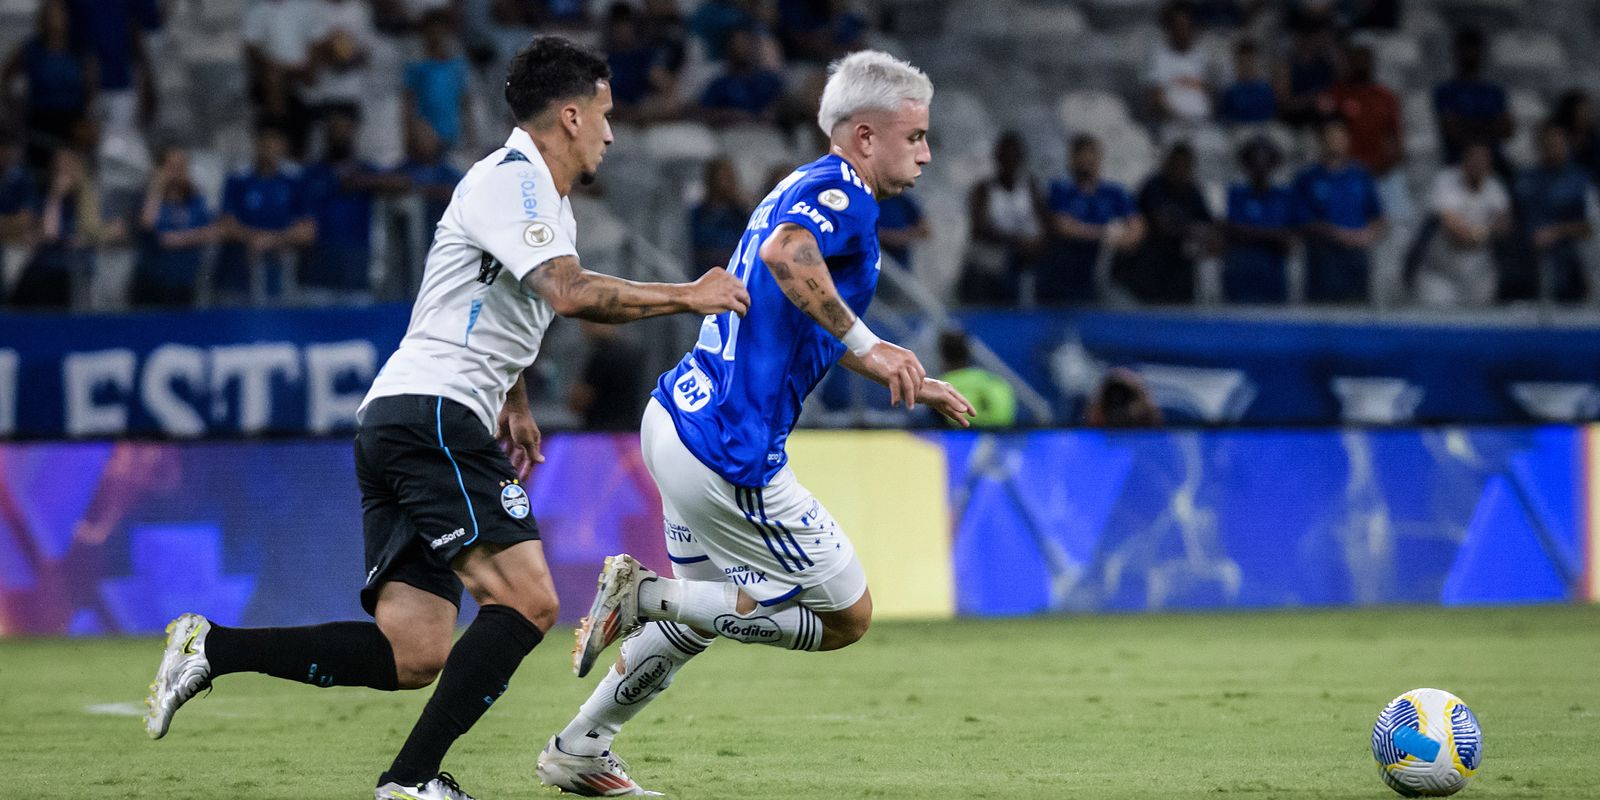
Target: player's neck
x=564, y=169
x=856, y=163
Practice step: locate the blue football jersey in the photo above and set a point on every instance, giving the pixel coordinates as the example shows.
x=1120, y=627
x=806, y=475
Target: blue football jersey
x=735, y=397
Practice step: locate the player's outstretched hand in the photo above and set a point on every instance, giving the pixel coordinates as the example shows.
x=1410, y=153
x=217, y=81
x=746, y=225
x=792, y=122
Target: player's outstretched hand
x=519, y=435
x=718, y=291
x=943, y=398
x=897, y=368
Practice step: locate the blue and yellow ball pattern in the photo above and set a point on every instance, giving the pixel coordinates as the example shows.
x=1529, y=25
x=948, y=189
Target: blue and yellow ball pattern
x=1427, y=744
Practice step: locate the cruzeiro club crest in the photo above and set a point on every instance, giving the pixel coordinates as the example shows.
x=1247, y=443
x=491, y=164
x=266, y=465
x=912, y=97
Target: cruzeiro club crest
x=537, y=234
x=513, y=499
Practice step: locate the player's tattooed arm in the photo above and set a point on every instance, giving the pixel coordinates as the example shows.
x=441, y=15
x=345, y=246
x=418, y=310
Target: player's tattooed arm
x=573, y=291
x=791, y=254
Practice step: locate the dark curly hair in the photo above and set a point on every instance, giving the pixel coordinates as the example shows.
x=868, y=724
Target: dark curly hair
x=551, y=68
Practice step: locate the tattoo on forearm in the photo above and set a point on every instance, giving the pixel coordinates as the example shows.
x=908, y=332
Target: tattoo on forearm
x=807, y=256
x=837, y=316
x=780, y=270
x=812, y=284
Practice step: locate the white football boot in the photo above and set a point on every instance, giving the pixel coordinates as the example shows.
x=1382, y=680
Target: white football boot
x=604, y=775
x=615, y=612
x=183, y=673
x=443, y=787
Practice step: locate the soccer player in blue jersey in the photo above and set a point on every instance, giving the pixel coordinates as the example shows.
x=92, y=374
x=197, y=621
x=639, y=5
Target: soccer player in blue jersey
x=757, y=559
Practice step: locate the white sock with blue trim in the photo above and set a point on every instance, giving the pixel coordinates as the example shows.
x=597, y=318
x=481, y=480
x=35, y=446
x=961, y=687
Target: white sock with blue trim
x=713, y=606
x=653, y=656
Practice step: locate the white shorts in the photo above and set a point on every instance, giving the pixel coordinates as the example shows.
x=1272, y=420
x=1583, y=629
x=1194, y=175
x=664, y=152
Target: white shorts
x=775, y=543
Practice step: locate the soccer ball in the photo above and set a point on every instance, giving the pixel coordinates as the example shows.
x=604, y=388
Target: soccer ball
x=1427, y=743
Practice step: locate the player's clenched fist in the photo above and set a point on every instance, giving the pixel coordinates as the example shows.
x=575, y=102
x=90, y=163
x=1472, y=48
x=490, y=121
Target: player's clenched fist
x=718, y=291
x=899, y=369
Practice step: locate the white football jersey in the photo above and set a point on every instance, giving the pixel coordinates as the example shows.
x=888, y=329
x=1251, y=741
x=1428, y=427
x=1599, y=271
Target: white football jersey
x=473, y=329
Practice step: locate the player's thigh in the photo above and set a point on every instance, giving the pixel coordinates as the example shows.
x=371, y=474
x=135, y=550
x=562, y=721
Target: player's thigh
x=514, y=575
x=689, y=560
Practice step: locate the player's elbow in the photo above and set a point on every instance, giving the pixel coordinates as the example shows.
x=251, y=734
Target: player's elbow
x=772, y=251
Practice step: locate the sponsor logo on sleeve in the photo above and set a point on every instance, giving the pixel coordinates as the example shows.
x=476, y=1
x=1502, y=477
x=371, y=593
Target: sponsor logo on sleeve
x=805, y=209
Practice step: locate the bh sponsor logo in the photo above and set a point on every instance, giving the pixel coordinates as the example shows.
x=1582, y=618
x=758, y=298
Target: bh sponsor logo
x=750, y=630
x=444, y=540
x=643, y=680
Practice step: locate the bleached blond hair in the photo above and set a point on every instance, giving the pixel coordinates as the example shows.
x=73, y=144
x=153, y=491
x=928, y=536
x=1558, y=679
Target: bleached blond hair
x=870, y=81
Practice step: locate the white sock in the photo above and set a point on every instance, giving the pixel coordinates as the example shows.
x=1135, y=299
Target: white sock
x=713, y=606
x=653, y=656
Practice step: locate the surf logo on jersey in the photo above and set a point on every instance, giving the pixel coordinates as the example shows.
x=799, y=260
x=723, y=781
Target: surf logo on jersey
x=643, y=680
x=691, y=390
x=750, y=630
x=804, y=209
x=514, y=500
x=834, y=199
x=537, y=234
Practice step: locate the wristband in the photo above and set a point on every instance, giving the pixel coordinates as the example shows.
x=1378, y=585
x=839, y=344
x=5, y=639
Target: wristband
x=860, y=338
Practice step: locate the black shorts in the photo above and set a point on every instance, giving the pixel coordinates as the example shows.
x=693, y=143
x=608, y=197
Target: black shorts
x=433, y=483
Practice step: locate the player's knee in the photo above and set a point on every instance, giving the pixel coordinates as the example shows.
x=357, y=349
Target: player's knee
x=534, y=601
x=414, y=670
x=845, y=631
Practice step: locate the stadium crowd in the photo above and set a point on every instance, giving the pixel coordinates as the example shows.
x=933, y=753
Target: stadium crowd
x=1321, y=179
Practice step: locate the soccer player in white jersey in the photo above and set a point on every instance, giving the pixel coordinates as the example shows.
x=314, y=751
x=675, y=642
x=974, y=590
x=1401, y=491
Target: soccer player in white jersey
x=442, y=504
x=757, y=558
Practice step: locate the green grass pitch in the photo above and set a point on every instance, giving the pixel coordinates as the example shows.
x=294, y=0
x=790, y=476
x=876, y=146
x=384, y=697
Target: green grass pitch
x=1270, y=705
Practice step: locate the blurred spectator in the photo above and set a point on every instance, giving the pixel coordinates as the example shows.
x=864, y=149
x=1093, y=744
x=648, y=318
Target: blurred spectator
x=1179, y=74
x=643, y=72
x=901, y=226
x=1085, y=214
x=1304, y=78
x=72, y=222
x=745, y=92
x=1342, y=219
x=714, y=23
x=610, y=393
x=991, y=395
x=337, y=74
x=1366, y=15
x=265, y=218
x=1474, y=209
x=1555, y=198
x=438, y=86
x=175, y=227
x=1249, y=99
x=818, y=31
x=339, y=191
x=718, y=223
x=662, y=27
x=1468, y=107
x=1005, y=215
x=1260, y=229
x=429, y=174
x=1575, y=114
x=1122, y=401
x=18, y=196
x=60, y=85
x=112, y=32
x=398, y=17
x=1372, y=114
x=278, y=35
x=1162, y=269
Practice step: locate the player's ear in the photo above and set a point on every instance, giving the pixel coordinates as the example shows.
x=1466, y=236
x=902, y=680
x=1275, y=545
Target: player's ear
x=571, y=118
x=864, y=137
